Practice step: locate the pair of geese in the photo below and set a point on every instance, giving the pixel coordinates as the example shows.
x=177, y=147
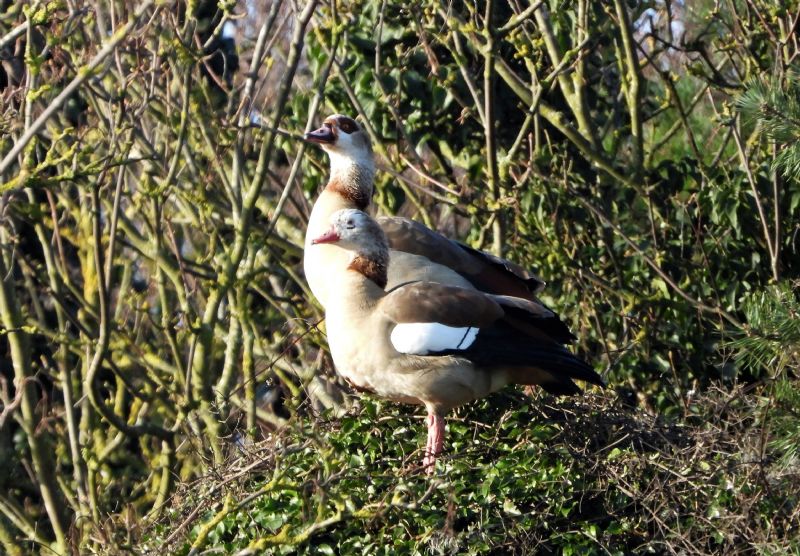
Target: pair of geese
x=415, y=317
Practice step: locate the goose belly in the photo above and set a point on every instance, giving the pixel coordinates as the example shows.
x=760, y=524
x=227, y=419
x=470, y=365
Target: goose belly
x=369, y=362
x=362, y=359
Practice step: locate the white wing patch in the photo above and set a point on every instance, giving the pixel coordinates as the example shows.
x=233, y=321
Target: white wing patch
x=421, y=338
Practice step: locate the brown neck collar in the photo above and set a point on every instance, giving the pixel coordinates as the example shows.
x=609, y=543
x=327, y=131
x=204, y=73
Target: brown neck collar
x=355, y=184
x=373, y=268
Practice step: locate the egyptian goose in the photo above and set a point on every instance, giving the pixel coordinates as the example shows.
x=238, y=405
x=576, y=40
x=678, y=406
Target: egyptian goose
x=432, y=344
x=417, y=253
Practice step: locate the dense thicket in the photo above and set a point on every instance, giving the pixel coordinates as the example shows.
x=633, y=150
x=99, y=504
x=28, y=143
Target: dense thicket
x=163, y=370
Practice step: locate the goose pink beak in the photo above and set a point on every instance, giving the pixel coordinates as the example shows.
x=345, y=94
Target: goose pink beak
x=328, y=237
x=323, y=135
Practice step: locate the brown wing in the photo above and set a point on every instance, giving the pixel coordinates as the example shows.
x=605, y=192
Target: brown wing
x=535, y=308
x=453, y=306
x=486, y=272
x=508, y=336
x=432, y=302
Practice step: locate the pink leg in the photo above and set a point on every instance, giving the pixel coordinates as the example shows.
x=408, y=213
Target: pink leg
x=435, y=441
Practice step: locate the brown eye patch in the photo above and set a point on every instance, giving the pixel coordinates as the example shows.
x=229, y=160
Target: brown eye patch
x=347, y=125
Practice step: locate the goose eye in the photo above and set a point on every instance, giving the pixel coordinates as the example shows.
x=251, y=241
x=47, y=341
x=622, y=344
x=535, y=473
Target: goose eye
x=348, y=126
x=350, y=225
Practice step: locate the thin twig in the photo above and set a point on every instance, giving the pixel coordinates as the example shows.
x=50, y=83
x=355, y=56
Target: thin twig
x=84, y=73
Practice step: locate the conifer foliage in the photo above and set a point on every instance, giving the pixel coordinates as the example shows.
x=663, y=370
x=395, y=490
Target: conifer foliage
x=774, y=107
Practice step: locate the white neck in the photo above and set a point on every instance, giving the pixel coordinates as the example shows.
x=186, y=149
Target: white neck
x=350, y=186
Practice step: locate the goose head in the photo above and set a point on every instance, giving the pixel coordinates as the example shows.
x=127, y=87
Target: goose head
x=356, y=231
x=346, y=143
